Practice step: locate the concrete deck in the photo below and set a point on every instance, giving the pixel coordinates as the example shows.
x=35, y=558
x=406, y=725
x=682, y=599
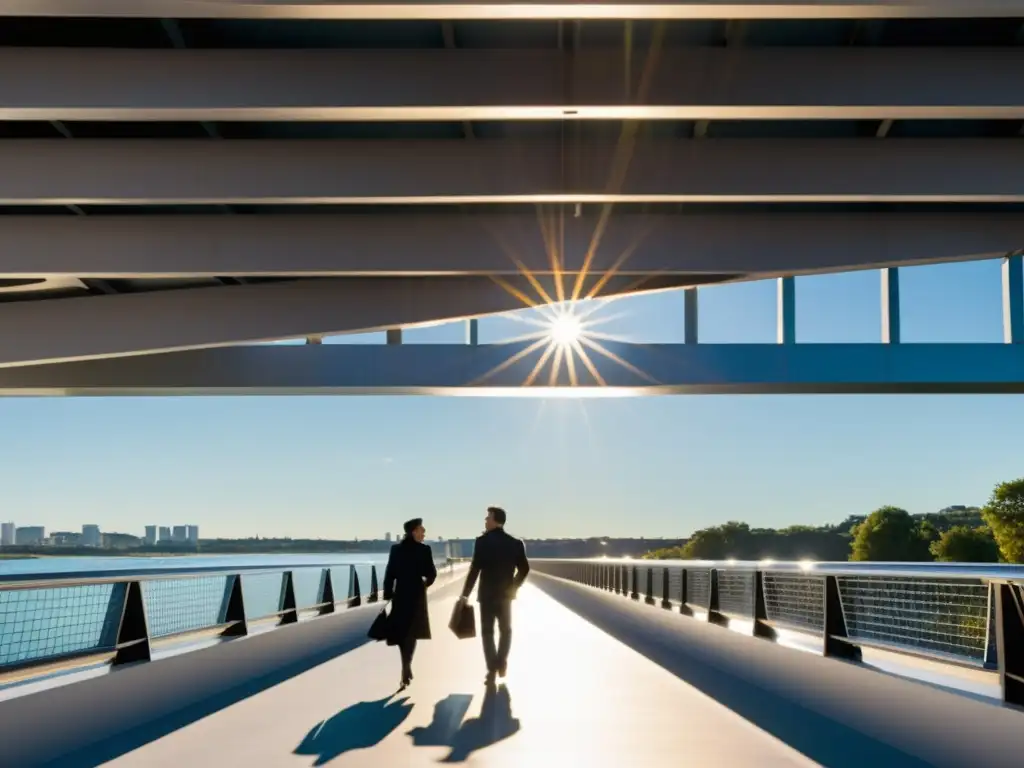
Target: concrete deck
x=574, y=697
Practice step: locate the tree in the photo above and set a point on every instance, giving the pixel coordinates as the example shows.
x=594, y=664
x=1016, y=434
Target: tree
x=889, y=534
x=1004, y=514
x=718, y=543
x=961, y=544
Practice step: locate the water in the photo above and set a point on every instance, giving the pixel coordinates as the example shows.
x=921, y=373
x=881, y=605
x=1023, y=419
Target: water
x=57, y=565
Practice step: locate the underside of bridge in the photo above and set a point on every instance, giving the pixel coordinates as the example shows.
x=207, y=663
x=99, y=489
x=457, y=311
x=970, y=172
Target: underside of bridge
x=179, y=178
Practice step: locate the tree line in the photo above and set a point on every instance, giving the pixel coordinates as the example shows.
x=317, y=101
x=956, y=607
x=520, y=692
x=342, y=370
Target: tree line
x=990, y=534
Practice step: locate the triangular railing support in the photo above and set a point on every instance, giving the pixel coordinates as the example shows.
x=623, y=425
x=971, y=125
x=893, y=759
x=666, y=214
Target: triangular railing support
x=326, y=593
x=133, y=630
x=234, y=609
x=288, y=609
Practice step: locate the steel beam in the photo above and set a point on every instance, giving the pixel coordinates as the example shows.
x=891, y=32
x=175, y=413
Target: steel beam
x=503, y=9
x=707, y=247
x=144, y=172
x=769, y=83
x=460, y=369
x=104, y=326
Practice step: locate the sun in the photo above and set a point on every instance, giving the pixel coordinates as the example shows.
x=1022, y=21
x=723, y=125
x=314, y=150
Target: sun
x=565, y=329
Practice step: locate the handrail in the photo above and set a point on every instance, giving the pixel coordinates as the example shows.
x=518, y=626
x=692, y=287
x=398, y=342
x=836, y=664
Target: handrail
x=962, y=613
x=52, y=579
x=997, y=572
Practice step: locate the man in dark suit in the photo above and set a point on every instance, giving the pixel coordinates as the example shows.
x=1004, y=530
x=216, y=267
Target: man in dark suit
x=499, y=560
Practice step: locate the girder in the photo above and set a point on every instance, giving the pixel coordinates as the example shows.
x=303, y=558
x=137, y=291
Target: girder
x=770, y=83
x=637, y=369
x=720, y=246
x=502, y=9
x=163, y=172
x=57, y=330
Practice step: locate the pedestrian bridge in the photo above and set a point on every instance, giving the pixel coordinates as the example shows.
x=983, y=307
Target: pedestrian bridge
x=595, y=679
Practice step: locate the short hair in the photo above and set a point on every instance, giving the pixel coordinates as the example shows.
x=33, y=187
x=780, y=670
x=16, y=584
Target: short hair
x=498, y=514
x=412, y=525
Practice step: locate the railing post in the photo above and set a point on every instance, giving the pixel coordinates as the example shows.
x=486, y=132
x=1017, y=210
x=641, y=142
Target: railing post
x=234, y=609
x=714, y=616
x=133, y=629
x=665, y=602
x=761, y=626
x=836, y=634
x=1010, y=642
x=288, y=609
x=649, y=597
x=374, y=595
x=326, y=593
x=354, y=598
x=684, y=596
x=635, y=594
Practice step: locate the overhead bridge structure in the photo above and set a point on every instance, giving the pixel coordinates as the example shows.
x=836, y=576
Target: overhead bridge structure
x=183, y=181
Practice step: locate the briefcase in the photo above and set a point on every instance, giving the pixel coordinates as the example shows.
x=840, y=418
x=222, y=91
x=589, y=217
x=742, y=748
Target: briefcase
x=463, y=621
x=379, y=628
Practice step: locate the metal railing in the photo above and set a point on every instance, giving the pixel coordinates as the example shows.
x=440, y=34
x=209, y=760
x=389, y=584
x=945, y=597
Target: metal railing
x=951, y=612
x=64, y=620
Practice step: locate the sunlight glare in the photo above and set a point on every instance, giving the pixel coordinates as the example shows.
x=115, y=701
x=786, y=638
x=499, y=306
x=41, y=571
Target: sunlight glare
x=566, y=329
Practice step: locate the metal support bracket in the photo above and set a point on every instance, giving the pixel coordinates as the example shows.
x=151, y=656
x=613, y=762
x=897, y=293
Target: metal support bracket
x=234, y=609
x=133, y=630
x=837, y=643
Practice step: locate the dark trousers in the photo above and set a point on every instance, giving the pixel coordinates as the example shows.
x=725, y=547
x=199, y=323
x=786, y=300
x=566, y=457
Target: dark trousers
x=407, y=648
x=500, y=611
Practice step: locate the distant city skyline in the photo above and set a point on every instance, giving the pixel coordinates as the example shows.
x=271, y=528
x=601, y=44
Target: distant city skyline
x=345, y=467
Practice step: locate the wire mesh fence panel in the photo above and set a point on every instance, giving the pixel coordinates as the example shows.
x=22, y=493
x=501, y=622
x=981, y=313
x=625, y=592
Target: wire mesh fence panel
x=795, y=601
x=675, y=585
x=699, y=587
x=261, y=593
x=38, y=624
x=185, y=605
x=658, y=585
x=339, y=581
x=306, y=583
x=940, y=616
x=736, y=593
x=365, y=572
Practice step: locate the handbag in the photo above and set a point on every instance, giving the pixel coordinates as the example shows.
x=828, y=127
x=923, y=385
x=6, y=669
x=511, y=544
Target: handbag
x=463, y=621
x=379, y=629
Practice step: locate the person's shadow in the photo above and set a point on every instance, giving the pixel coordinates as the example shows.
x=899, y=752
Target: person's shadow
x=360, y=726
x=494, y=724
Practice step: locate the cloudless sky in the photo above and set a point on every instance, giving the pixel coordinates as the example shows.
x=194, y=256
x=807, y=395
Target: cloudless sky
x=662, y=466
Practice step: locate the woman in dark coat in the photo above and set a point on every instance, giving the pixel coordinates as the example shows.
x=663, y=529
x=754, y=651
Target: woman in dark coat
x=410, y=571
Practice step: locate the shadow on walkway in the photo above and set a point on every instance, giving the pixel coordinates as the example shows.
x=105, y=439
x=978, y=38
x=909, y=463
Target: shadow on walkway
x=360, y=726
x=142, y=703
x=494, y=724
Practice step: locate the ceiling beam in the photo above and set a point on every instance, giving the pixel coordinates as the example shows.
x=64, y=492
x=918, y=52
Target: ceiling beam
x=434, y=369
x=60, y=330
x=281, y=172
x=750, y=245
x=503, y=9
x=770, y=83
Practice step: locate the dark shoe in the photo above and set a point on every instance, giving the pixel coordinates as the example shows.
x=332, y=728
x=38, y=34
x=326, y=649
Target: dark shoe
x=489, y=680
x=406, y=677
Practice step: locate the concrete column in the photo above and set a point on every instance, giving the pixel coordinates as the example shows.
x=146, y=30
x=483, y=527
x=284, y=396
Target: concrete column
x=394, y=335
x=787, y=311
x=890, y=306
x=690, y=321
x=472, y=332
x=1013, y=299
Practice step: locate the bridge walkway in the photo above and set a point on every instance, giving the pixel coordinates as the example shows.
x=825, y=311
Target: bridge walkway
x=573, y=697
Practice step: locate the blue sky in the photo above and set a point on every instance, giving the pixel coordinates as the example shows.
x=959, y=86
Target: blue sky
x=342, y=467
